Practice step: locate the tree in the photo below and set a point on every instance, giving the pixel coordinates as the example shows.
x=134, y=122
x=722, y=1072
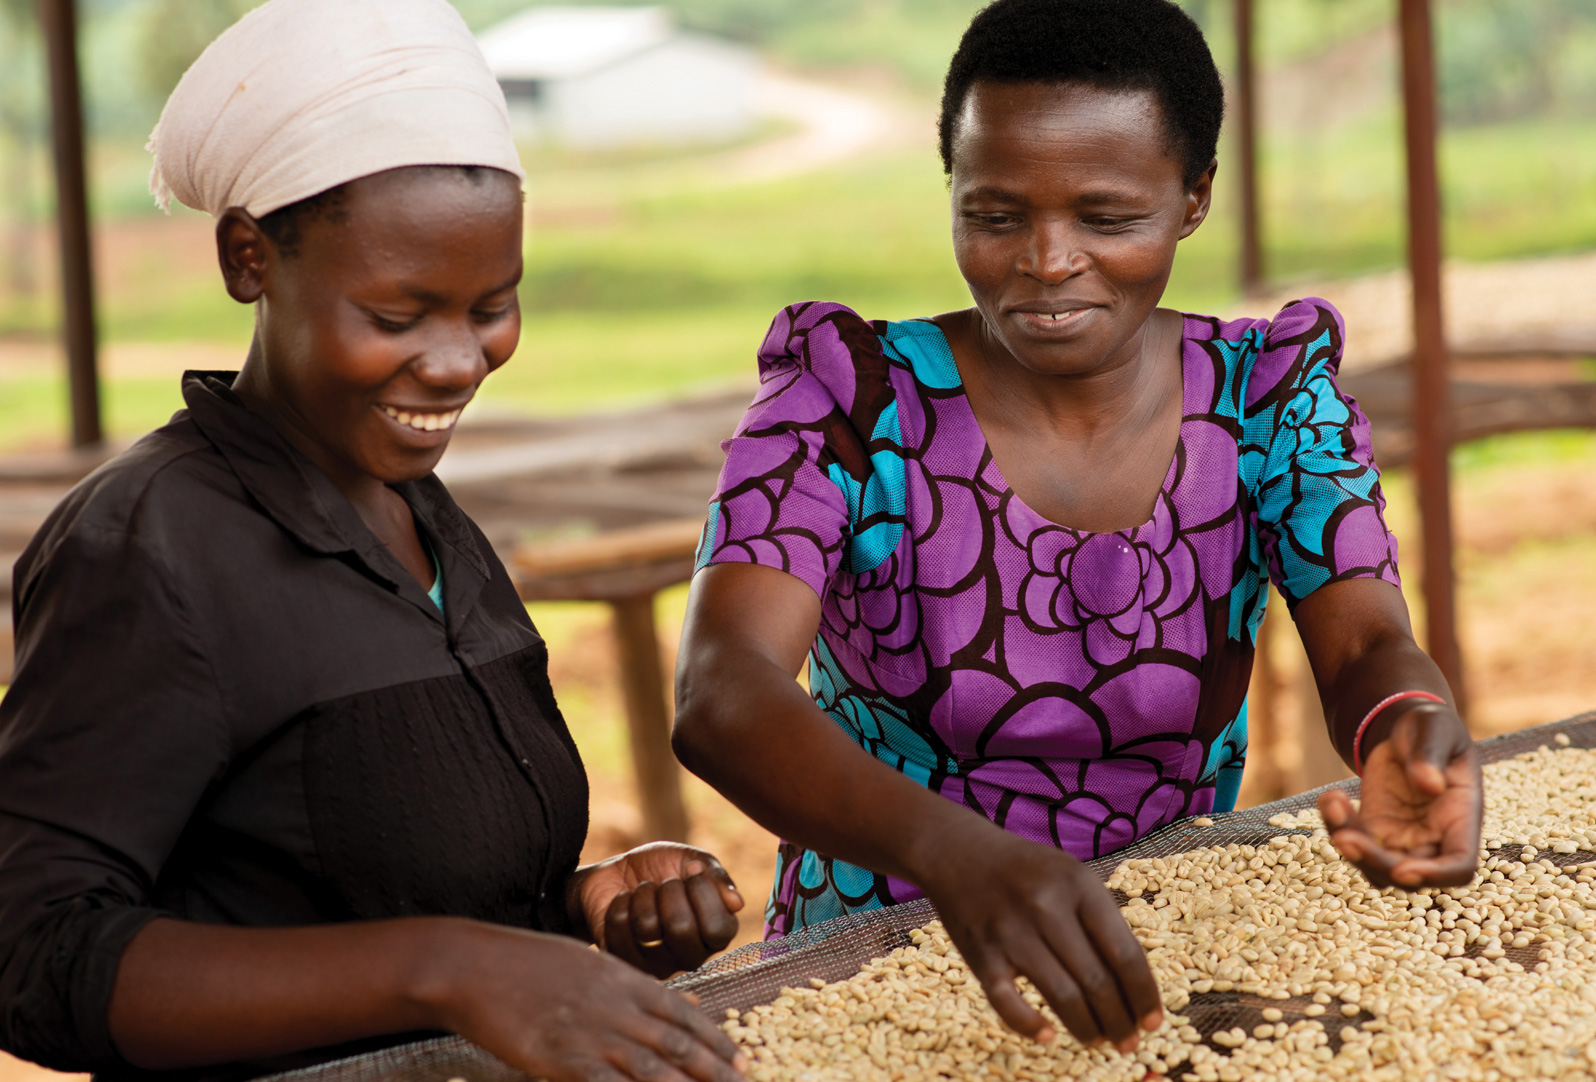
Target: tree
x=175, y=32
x=20, y=124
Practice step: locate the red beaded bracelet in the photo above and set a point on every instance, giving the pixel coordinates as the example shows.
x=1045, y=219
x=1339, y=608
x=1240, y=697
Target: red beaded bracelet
x=1357, y=738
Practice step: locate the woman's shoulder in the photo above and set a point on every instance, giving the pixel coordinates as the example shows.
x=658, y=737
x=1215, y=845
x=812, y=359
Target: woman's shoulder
x=1272, y=357
x=163, y=472
x=1298, y=322
x=829, y=339
x=822, y=356
x=816, y=336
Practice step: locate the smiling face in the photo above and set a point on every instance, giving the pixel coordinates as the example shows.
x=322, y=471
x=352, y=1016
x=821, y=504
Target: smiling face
x=381, y=322
x=1067, y=206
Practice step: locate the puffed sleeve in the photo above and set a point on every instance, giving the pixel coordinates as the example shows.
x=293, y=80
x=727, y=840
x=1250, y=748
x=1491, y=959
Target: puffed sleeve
x=795, y=461
x=1307, y=460
x=109, y=736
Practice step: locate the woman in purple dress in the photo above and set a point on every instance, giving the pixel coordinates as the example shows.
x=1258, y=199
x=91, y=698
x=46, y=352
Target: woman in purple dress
x=1025, y=547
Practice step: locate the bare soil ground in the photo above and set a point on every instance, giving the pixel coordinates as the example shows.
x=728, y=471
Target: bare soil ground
x=1513, y=306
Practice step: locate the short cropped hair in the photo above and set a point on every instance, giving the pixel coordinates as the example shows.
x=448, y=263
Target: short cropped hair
x=1132, y=45
x=285, y=226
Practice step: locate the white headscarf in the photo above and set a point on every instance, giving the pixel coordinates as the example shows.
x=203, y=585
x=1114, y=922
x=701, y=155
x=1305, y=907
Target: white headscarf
x=303, y=95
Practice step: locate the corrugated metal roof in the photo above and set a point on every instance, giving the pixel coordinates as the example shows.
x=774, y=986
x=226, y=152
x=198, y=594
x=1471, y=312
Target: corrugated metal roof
x=560, y=42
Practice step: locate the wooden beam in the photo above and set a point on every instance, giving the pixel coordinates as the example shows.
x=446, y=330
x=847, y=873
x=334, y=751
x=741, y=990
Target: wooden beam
x=1478, y=409
x=58, y=18
x=613, y=585
x=614, y=565
x=638, y=546
x=1432, y=414
x=625, y=568
x=1252, y=256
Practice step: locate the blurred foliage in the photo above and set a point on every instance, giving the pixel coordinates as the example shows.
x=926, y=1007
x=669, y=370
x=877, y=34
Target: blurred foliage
x=756, y=21
x=1499, y=59
x=637, y=288
x=21, y=77
x=1290, y=30
x=1506, y=59
x=173, y=34
x=912, y=38
x=876, y=234
x=21, y=139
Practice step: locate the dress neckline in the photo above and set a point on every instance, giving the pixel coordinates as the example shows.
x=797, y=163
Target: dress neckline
x=1166, y=488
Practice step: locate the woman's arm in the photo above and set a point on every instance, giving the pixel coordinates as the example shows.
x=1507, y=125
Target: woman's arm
x=1422, y=790
x=189, y=994
x=1014, y=908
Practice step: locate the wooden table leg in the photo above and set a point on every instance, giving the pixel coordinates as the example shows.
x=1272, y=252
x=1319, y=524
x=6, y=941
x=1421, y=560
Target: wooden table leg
x=659, y=786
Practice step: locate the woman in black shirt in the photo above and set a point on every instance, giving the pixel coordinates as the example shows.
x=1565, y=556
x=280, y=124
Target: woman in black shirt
x=280, y=769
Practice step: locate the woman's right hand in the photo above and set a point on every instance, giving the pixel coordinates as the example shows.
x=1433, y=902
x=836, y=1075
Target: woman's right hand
x=1014, y=908
x=1017, y=909
x=561, y=1011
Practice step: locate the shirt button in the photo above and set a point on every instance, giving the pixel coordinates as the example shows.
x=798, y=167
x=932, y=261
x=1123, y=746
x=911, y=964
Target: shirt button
x=527, y=763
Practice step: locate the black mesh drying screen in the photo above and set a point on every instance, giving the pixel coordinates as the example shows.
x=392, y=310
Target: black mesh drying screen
x=834, y=950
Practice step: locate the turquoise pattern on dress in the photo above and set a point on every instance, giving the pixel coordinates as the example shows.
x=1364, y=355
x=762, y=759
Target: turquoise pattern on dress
x=876, y=724
x=706, y=540
x=435, y=591
x=924, y=348
x=1227, y=756
x=876, y=508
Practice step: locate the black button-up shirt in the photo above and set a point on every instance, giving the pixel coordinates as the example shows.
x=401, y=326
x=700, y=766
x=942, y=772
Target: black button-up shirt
x=233, y=705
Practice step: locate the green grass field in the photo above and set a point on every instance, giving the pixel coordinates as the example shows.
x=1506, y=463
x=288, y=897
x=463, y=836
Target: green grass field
x=637, y=293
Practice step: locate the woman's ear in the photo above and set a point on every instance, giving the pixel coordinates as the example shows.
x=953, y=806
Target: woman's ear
x=245, y=255
x=1199, y=200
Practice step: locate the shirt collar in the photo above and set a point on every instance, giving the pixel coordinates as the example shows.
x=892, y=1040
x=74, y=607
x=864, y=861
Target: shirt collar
x=302, y=499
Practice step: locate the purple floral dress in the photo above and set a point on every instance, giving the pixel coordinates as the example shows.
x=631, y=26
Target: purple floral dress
x=1078, y=689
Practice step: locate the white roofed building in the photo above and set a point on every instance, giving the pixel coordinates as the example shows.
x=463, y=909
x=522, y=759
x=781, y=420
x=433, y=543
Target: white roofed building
x=610, y=76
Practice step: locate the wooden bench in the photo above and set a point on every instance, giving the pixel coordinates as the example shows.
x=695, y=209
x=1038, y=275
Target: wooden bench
x=1491, y=395
x=625, y=568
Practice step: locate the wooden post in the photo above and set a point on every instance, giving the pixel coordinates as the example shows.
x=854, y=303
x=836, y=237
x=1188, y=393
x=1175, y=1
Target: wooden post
x=659, y=788
x=1252, y=257
x=626, y=568
x=1432, y=410
x=58, y=18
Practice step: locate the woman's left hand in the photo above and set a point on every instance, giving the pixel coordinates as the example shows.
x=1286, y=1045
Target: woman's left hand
x=1419, y=825
x=662, y=907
